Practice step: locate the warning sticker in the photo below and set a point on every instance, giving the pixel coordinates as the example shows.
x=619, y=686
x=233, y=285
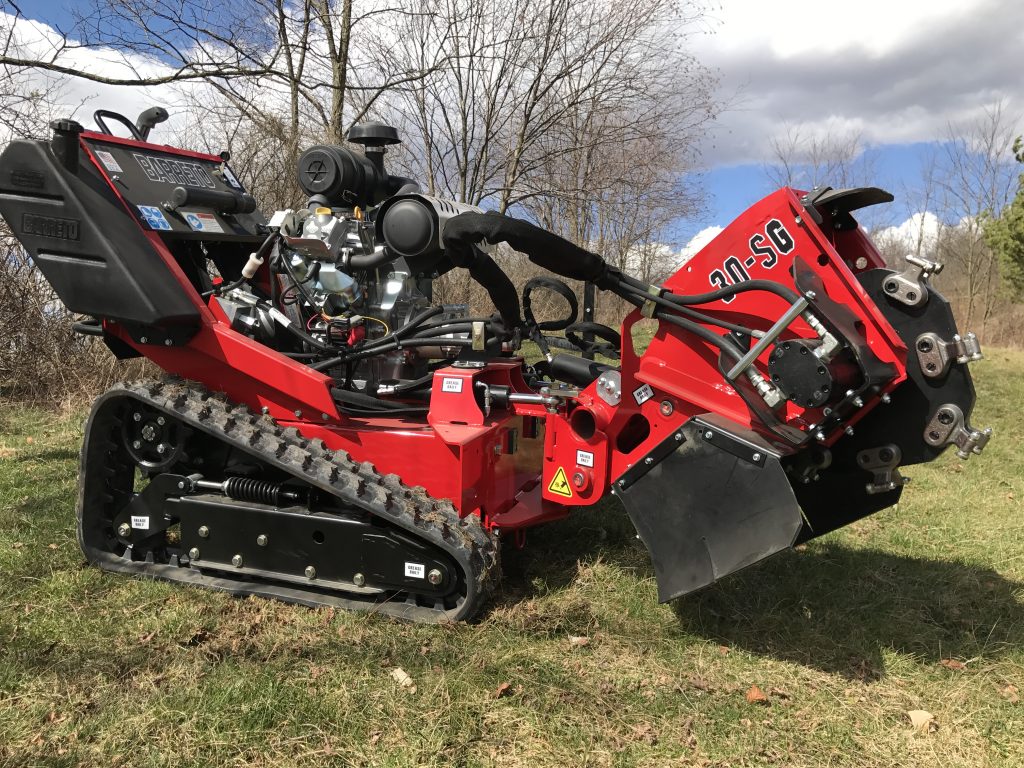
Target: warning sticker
x=154, y=217
x=108, y=161
x=642, y=394
x=415, y=570
x=585, y=458
x=451, y=385
x=140, y=523
x=202, y=222
x=560, y=484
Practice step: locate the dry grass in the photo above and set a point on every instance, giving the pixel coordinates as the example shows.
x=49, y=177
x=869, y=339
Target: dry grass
x=844, y=637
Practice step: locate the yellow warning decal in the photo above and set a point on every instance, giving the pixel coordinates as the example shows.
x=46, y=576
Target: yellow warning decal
x=560, y=484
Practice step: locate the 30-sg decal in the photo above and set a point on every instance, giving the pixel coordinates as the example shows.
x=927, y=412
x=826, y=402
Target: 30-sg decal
x=765, y=246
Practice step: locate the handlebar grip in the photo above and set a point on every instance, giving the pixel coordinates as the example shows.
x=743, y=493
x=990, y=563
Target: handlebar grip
x=220, y=201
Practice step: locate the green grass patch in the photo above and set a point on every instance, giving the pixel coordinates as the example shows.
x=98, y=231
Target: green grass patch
x=844, y=637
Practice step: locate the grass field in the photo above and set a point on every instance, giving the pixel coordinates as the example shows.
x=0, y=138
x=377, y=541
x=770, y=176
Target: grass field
x=576, y=664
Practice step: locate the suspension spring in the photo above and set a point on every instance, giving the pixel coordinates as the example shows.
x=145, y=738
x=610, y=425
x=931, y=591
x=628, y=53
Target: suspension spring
x=255, y=491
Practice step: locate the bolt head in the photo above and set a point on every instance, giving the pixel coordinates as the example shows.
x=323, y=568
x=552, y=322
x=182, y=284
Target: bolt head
x=143, y=340
x=262, y=540
x=648, y=461
x=161, y=420
x=204, y=532
x=578, y=479
x=708, y=435
x=755, y=457
x=298, y=414
x=359, y=580
x=310, y=572
x=136, y=444
x=666, y=408
x=136, y=416
x=849, y=431
x=434, y=577
x=161, y=449
x=193, y=554
x=237, y=561
x=124, y=530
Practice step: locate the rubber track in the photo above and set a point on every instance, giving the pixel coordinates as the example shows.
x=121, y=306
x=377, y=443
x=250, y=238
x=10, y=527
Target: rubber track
x=353, y=483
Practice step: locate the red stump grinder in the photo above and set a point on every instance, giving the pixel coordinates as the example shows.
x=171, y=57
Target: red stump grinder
x=329, y=436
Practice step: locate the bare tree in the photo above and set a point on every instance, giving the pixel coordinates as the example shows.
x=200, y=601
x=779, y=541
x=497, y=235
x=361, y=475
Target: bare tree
x=977, y=177
x=804, y=157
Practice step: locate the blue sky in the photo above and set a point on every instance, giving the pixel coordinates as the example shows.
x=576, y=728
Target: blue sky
x=900, y=76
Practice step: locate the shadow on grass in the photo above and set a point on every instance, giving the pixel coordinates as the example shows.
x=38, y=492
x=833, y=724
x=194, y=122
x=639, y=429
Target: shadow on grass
x=51, y=454
x=829, y=606
x=838, y=609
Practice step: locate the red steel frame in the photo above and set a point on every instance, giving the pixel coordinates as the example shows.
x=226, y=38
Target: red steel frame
x=529, y=463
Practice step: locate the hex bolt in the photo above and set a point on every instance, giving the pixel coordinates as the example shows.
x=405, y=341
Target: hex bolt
x=168, y=343
x=237, y=561
x=161, y=448
x=204, y=532
x=161, y=420
x=359, y=580
x=137, y=416
x=124, y=530
x=858, y=402
x=886, y=399
x=143, y=340
x=193, y=554
x=298, y=414
x=262, y=540
x=434, y=577
x=648, y=461
x=136, y=444
x=849, y=431
x=310, y=572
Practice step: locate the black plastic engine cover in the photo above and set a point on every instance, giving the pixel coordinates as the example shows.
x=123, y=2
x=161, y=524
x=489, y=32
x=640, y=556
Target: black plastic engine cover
x=87, y=245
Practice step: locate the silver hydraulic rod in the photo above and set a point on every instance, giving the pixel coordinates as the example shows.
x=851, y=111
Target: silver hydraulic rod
x=768, y=339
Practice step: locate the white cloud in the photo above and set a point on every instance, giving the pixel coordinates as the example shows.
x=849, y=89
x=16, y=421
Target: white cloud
x=698, y=241
x=896, y=72
x=921, y=226
x=79, y=98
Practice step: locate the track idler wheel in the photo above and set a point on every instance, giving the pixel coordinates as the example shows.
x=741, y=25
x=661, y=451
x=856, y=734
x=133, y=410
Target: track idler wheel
x=153, y=440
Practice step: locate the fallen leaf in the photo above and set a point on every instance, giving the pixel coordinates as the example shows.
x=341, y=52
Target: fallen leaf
x=30, y=440
x=503, y=690
x=401, y=677
x=645, y=732
x=53, y=546
x=724, y=650
x=147, y=637
x=923, y=721
x=1010, y=693
x=746, y=723
x=756, y=696
x=700, y=684
x=953, y=664
x=51, y=716
x=779, y=694
x=17, y=545
x=374, y=738
x=578, y=640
